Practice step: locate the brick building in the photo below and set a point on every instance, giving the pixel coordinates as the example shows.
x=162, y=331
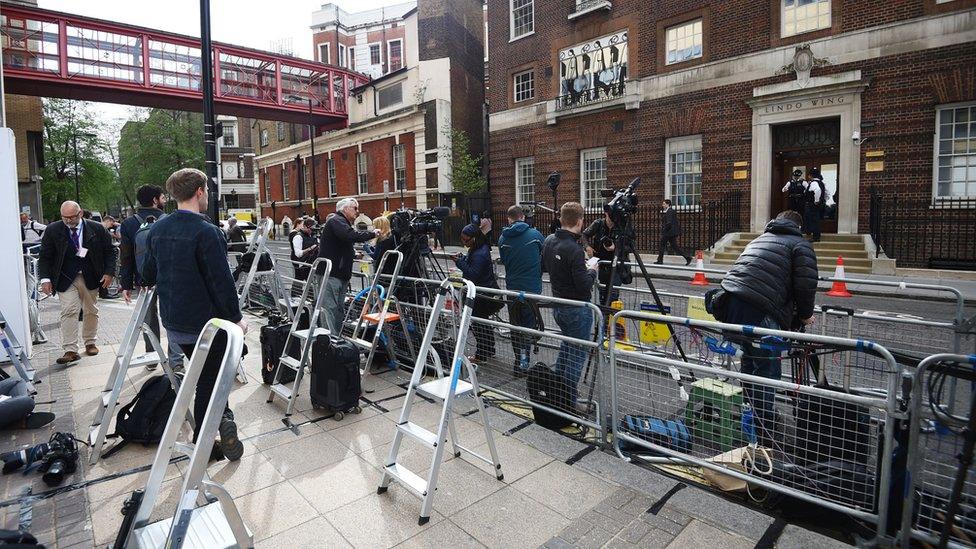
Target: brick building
x=399, y=123
x=371, y=42
x=236, y=183
x=705, y=99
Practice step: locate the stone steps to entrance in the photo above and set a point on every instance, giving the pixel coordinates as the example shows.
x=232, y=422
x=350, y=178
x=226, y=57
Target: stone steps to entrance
x=857, y=258
x=826, y=237
x=822, y=251
x=822, y=245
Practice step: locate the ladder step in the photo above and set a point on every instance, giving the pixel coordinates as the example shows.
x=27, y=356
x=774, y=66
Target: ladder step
x=144, y=359
x=361, y=343
x=303, y=334
x=208, y=529
x=292, y=302
x=407, y=478
x=418, y=433
x=440, y=387
x=106, y=396
x=374, y=318
x=282, y=390
x=93, y=433
x=290, y=362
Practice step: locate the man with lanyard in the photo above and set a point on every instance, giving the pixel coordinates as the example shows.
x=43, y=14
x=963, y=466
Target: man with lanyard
x=336, y=245
x=303, y=251
x=795, y=189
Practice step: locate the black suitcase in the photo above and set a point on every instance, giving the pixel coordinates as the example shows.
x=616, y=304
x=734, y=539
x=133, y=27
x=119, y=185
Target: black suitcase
x=336, y=383
x=829, y=429
x=548, y=388
x=273, y=338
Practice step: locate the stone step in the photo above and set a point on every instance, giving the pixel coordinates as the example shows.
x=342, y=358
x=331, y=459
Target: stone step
x=826, y=268
x=839, y=245
x=821, y=259
x=821, y=252
x=826, y=237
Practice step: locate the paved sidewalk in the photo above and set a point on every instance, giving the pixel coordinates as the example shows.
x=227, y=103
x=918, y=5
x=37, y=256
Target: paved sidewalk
x=317, y=488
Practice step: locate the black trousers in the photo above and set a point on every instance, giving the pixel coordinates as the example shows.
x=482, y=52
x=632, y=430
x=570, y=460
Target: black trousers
x=812, y=217
x=673, y=242
x=208, y=378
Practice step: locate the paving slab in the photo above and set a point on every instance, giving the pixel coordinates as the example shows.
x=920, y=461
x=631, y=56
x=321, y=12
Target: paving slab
x=509, y=518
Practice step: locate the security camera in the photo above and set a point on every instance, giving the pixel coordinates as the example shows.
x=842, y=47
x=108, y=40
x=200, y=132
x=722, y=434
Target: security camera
x=856, y=137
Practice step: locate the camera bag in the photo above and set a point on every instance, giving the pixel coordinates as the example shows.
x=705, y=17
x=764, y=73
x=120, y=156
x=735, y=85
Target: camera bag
x=273, y=337
x=144, y=418
x=336, y=380
x=547, y=387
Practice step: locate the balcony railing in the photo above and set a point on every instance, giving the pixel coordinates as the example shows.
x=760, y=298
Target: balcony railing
x=584, y=7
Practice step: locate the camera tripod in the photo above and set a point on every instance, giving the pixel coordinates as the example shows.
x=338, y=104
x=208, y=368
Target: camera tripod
x=419, y=262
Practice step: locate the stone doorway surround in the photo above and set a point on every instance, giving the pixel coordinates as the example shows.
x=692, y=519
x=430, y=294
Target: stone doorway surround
x=807, y=99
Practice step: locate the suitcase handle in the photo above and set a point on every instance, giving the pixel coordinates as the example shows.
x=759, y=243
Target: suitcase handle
x=827, y=308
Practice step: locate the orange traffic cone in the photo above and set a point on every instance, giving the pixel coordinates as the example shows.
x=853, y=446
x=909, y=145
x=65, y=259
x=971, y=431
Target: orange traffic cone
x=839, y=288
x=699, y=278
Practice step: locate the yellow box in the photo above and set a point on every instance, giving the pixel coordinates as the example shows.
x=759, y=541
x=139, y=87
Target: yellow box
x=696, y=309
x=874, y=153
x=875, y=166
x=740, y=174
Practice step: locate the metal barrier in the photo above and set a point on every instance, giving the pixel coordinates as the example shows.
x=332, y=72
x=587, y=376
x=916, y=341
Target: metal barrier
x=937, y=447
x=34, y=295
x=817, y=443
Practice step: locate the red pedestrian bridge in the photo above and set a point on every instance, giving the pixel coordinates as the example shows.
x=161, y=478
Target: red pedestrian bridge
x=53, y=54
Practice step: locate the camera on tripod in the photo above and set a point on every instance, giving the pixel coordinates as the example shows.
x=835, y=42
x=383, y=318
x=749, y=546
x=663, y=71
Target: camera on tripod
x=623, y=204
x=405, y=222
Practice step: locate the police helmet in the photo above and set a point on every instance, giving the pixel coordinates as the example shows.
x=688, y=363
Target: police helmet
x=815, y=173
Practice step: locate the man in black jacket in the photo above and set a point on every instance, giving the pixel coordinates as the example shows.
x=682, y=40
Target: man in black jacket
x=304, y=250
x=187, y=262
x=336, y=244
x=76, y=257
x=772, y=285
x=670, y=231
x=572, y=277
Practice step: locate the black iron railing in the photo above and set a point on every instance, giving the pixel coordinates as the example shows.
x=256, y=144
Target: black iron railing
x=932, y=234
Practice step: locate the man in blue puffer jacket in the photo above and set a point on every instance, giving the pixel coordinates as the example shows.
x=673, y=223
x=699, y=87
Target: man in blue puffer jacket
x=521, y=249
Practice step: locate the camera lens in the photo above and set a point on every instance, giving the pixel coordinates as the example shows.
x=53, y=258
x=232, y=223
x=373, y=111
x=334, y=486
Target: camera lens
x=55, y=473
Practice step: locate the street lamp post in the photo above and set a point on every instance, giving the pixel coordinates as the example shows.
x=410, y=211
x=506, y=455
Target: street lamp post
x=74, y=141
x=209, y=141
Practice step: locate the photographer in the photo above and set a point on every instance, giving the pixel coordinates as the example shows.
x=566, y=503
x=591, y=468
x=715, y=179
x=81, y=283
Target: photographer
x=303, y=251
x=599, y=242
x=572, y=277
x=521, y=249
x=477, y=267
x=336, y=245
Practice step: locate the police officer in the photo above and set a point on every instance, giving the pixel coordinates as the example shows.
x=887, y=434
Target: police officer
x=813, y=204
x=795, y=189
x=303, y=251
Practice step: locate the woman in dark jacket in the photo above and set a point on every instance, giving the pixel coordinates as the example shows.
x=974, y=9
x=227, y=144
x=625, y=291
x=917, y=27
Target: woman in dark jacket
x=477, y=268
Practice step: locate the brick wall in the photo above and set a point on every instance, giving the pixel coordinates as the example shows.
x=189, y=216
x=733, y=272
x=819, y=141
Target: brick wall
x=24, y=114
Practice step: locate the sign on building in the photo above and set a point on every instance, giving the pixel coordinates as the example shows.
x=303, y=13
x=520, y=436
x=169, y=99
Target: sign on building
x=593, y=71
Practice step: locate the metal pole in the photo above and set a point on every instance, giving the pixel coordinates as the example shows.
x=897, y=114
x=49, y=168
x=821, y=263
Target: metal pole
x=209, y=143
x=311, y=141
x=74, y=140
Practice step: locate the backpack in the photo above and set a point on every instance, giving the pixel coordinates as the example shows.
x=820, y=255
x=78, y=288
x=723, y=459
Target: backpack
x=141, y=239
x=144, y=418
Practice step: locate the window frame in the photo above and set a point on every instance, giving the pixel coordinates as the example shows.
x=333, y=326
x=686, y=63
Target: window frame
x=397, y=84
x=782, y=19
x=285, y=191
x=692, y=22
x=228, y=128
x=379, y=50
x=341, y=58
x=583, y=181
x=306, y=178
x=389, y=54
x=328, y=53
x=267, y=187
x=511, y=20
x=515, y=85
x=362, y=173
x=352, y=57
x=520, y=184
x=399, y=166
x=331, y=174
x=264, y=137
x=669, y=143
x=280, y=130
x=936, y=197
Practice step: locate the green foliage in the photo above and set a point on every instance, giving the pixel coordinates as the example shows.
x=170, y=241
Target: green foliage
x=150, y=150
x=465, y=175
x=65, y=123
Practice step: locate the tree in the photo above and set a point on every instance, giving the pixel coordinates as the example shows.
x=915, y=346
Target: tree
x=150, y=150
x=65, y=123
x=465, y=171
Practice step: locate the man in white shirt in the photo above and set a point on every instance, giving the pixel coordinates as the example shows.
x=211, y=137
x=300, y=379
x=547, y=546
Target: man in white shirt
x=304, y=250
x=30, y=231
x=814, y=203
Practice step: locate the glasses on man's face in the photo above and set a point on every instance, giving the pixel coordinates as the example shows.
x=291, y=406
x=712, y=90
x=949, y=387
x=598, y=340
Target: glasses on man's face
x=70, y=217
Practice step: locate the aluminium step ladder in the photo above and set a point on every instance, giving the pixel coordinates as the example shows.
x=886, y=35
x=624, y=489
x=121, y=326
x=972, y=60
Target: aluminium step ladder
x=125, y=361
x=314, y=285
x=17, y=355
x=205, y=517
x=445, y=390
x=258, y=246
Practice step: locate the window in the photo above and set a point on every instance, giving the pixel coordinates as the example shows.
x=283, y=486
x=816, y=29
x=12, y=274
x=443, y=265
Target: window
x=593, y=177
x=267, y=187
x=389, y=96
x=306, y=178
x=361, y=173
x=375, y=56
x=280, y=128
x=324, y=56
x=352, y=58
x=801, y=16
x=524, y=180
x=684, y=42
x=400, y=167
x=285, y=194
x=230, y=134
x=341, y=59
x=523, y=18
x=955, y=151
x=524, y=85
x=394, y=54
x=264, y=138
x=333, y=188
x=683, y=170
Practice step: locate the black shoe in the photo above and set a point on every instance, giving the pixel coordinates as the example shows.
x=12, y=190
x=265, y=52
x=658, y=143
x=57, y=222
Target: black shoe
x=230, y=445
x=518, y=372
x=687, y=261
x=659, y=262
x=216, y=454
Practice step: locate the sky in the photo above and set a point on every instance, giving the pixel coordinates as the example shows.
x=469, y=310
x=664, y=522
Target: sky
x=251, y=23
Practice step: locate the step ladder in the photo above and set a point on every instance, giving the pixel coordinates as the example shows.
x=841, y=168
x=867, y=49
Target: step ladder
x=17, y=354
x=259, y=246
x=445, y=390
x=375, y=311
x=126, y=360
x=205, y=517
x=315, y=286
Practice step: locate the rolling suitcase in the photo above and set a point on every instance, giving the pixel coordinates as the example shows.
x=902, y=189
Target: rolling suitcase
x=273, y=337
x=336, y=379
x=547, y=387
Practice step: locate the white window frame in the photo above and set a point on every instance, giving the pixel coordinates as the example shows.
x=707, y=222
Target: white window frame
x=369, y=52
x=783, y=18
x=515, y=86
x=592, y=202
x=682, y=142
x=285, y=194
x=333, y=185
x=362, y=173
x=306, y=179
x=352, y=57
x=389, y=56
x=280, y=130
x=701, y=40
x=341, y=59
x=511, y=19
x=524, y=190
x=229, y=128
x=267, y=187
x=264, y=137
x=968, y=158
x=328, y=52
x=400, y=167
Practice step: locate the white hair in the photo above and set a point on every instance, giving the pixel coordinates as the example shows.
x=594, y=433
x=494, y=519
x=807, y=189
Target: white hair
x=345, y=203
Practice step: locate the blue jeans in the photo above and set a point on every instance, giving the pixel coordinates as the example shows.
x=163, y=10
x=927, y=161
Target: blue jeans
x=575, y=322
x=758, y=361
x=335, y=299
x=520, y=314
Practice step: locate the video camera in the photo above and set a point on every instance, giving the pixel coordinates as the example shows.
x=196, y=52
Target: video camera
x=405, y=222
x=623, y=204
x=56, y=458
